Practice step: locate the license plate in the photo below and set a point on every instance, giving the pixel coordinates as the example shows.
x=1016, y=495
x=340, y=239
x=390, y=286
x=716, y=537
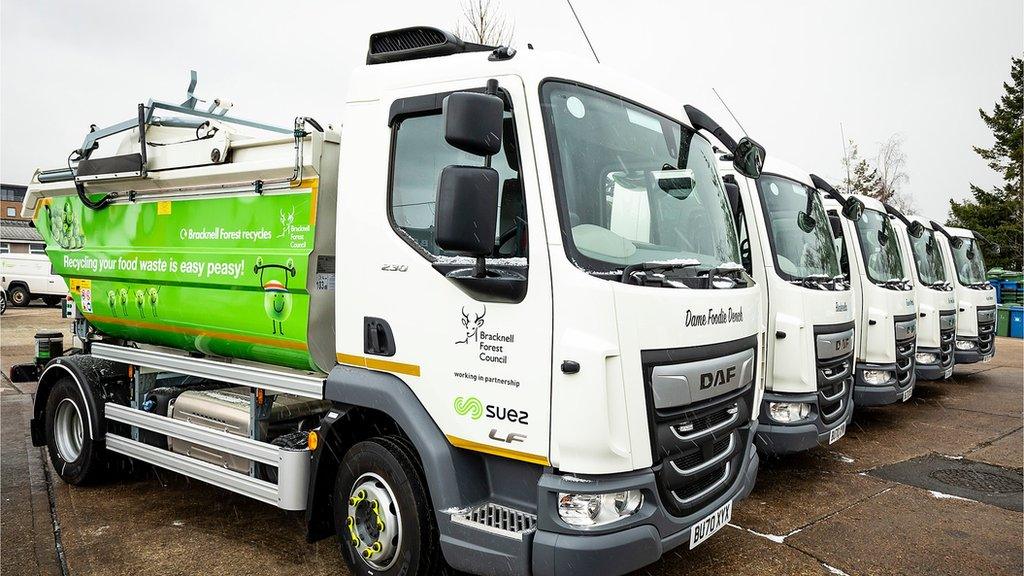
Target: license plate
x=949, y=372
x=837, y=433
x=908, y=393
x=703, y=530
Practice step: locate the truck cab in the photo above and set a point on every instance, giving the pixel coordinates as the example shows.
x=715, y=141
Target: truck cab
x=976, y=298
x=933, y=293
x=886, y=310
x=787, y=246
x=543, y=354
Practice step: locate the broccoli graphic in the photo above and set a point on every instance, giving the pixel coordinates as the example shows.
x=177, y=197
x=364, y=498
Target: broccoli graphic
x=277, y=302
x=112, y=302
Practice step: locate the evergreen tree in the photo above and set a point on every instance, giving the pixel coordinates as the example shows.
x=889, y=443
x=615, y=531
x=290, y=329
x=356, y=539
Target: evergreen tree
x=861, y=177
x=998, y=214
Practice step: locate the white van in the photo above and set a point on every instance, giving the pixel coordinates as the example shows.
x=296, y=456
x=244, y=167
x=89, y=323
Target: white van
x=29, y=276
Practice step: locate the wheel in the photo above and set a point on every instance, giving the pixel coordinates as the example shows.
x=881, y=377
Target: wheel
x=19, y=296
x=73, y=454
x=383, y=512
x=51, y=300
x=3, y=301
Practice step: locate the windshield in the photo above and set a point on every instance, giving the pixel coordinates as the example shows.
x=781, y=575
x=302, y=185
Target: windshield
x=798, y=254
x=881, y=260
x=970, y=264
x=634, y=186
x=928, y=258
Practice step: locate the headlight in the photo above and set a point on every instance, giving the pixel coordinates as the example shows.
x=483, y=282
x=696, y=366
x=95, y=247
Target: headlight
x=966, y=344
x=927, y=358
x=877, y=377
x=590, y=510
x=787, y=412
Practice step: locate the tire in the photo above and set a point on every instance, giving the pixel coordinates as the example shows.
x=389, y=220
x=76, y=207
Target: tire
x=19, y=296
x=51, y=301
x=386, y=470
x=74, y=455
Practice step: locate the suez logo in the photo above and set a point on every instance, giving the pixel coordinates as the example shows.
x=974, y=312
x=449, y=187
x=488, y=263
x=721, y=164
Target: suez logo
x=472, y=406
x=717, y=378
x=842, y=307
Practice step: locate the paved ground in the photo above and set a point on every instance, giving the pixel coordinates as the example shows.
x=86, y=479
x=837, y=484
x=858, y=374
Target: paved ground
x=828, y=512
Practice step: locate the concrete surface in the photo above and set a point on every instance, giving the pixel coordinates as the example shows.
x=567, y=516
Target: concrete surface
x=816, y=513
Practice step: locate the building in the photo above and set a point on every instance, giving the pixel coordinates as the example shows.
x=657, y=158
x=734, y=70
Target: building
x=17, y=235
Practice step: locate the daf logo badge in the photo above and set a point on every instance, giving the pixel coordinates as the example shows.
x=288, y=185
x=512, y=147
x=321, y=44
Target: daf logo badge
x=717, y=378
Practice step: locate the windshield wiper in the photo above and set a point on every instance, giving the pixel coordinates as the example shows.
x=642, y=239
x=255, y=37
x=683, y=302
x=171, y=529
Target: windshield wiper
x=639, y=273
x=896, y=283
x=732, y=272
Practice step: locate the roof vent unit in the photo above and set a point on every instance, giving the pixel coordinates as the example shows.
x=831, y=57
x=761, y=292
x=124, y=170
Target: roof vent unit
x=415, y=43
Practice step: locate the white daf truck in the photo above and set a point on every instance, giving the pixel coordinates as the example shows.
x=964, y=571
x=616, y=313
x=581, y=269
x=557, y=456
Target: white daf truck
x=933, y=293
x=499, y=326
x=976, y=298
x=886, y=312
x=787, y=246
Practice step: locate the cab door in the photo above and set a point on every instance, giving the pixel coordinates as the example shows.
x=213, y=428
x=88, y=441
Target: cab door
x=477, y=357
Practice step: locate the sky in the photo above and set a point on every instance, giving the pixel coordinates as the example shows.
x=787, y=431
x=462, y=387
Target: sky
x=792, y=71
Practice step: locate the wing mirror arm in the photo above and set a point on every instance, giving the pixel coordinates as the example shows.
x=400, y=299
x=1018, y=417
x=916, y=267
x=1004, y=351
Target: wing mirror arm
x=852, y=207
x=954, y=241
x=914, y=228
x=748, y=156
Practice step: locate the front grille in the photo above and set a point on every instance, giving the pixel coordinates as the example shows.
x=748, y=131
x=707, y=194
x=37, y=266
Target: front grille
x=835, y=380
x=947, y=338
x=986, y=334
x=699, y=447
x=905, y=350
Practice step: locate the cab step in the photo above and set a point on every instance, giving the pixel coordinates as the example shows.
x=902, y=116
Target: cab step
x=497, y=519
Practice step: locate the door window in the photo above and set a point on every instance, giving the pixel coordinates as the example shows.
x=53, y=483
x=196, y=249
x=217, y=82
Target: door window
x=419, y=154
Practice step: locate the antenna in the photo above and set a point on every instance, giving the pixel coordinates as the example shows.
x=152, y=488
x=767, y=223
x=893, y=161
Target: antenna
x=585, y=37
x=727, y=109
x=846, y=158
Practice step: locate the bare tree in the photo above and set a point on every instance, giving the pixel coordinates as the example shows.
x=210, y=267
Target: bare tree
x=484, y=22
x=882, y=178
x=891, y=166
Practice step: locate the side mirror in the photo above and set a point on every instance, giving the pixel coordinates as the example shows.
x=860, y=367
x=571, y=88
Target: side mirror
x=853, y=209
x=956, y=242
x=473, y=122
x=748, y=158
x=916, y=229
x=806, y=222
x=883, y=238
x=467, y=210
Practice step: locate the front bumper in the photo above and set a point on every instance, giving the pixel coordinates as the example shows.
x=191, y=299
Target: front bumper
x=865, y=394
x=975, y=355
x=560, y=550
x=934, y=371
x=779, y=439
